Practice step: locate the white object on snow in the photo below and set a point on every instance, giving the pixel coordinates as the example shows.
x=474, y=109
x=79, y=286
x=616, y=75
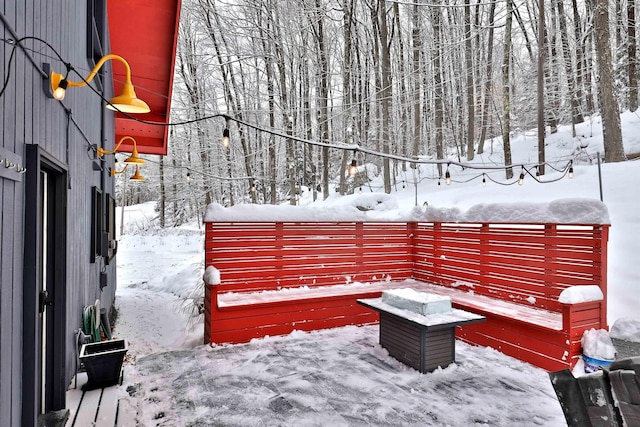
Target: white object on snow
x=597, y=344
x=417, y=302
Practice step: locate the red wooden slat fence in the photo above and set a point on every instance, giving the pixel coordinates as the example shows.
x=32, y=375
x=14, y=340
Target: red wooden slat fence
x=526, y=265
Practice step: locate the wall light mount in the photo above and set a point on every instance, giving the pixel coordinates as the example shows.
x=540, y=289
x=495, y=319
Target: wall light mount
x=126, y=102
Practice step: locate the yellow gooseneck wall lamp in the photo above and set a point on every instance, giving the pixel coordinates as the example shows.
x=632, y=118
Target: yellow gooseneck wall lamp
x=126, y=102
x=134, y=158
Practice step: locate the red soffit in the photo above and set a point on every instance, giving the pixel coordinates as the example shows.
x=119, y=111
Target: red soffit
x=145, y=34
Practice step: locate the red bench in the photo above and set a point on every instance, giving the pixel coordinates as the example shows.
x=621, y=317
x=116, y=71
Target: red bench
x=277, y=277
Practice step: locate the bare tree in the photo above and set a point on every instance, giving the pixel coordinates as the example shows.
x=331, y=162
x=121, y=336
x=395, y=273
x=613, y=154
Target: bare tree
x=612, y=134
x=386, y=92
x=631, y=53
x=487, y=82
x=506, y=91
x=471, y=117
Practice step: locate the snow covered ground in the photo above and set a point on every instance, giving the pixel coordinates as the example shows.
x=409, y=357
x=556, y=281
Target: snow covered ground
x=342, y=376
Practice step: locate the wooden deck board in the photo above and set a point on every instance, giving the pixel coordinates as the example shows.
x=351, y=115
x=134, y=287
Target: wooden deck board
x=108, y=409
x=74, y=396
x=98, y=408
x=86, y=414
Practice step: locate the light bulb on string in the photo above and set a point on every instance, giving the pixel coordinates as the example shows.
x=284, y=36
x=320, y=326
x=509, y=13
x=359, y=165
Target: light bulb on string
x=353, y=168
x=447, y=176
x=226, y=140
x=189, y=177
x=484, y=180
x=60, y=92
x=521, y=179
x=571, y=169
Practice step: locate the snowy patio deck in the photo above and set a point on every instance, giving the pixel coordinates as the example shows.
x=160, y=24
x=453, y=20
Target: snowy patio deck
x=337, y=377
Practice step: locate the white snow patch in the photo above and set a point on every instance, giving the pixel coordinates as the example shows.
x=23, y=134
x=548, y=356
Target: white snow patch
x=578, y=294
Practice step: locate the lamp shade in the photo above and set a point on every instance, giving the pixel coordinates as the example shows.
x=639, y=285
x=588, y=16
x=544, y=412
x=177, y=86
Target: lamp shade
x=135, y=158
x=128, y=102
x=136, y=176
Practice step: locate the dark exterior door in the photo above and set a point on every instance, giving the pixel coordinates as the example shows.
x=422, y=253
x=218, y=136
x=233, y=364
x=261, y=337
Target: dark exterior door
x=44, y=285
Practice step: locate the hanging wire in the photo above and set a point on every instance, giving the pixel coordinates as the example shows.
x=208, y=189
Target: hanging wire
x=339, y=146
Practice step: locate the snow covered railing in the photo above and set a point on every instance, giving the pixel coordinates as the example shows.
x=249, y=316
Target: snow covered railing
x=540, y=285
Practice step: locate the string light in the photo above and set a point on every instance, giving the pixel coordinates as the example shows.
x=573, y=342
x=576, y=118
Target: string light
x=189, y=177
x=568, y=170
x=521, y=179
x=484, y=179
x=353, y=168
x=226, y=139
x=571, y=169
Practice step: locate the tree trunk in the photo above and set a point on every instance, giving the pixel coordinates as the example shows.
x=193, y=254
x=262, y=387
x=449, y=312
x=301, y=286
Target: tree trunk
x=437, y=81
x=542, y=59
x=386, y=93
x=576, y=115
x=488, y=78
x=323, y=93
x=471, y=116
x=631, y=53
x=346, y=89
x=416, y=38
x=612, y=134
x=552, y=76
x=506, y=90
x=580, y=58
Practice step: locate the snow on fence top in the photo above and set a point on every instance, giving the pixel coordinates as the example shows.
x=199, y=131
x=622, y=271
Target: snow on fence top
x=382, y=207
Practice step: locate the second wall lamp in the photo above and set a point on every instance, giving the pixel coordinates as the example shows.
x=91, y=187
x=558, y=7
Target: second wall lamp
x=135, y=177
x=126, y=102
x=134, y=158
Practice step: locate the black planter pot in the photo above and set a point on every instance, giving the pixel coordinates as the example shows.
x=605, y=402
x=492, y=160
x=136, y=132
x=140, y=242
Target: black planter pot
x=103, y=362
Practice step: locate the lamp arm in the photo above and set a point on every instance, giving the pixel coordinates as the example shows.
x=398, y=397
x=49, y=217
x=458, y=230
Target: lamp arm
x=100, y=63
x=115, y=172
x=102, y=151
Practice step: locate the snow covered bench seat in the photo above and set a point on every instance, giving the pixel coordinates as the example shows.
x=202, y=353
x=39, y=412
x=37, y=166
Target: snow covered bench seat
x=539, y=285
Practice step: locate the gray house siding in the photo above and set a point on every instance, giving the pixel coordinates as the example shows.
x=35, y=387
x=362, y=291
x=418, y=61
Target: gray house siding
x=53, y=141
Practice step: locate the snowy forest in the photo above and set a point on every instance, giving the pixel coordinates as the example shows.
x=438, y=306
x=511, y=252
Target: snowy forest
x=275, y=97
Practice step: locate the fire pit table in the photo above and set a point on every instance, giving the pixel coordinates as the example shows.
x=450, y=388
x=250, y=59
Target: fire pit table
x=419, y=329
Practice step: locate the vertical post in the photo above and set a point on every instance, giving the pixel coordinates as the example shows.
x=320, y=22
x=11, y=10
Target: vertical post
x=602, y=241
x=600, y=178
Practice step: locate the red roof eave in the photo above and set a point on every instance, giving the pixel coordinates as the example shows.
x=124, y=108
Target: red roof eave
x=145, y=34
